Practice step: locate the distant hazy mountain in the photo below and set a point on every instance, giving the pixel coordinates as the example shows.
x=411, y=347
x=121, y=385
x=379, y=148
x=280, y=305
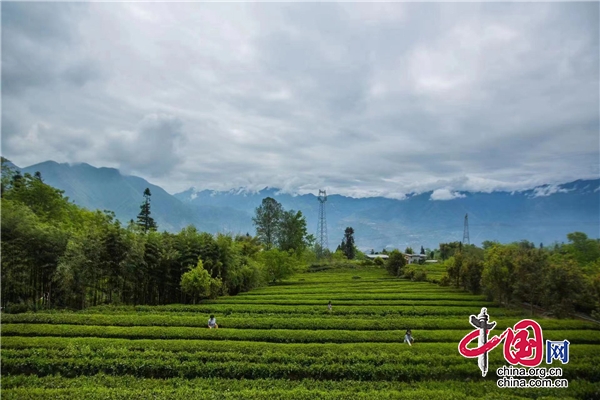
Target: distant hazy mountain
x=543, y=214
x=106, y=189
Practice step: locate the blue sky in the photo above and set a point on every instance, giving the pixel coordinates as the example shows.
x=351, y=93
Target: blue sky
x=362, y=99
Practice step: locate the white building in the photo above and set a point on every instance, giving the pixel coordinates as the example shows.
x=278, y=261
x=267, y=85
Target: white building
x=374, y=256
x=414, y=258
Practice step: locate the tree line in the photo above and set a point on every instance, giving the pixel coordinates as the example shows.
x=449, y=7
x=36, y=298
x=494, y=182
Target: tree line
x=57, y=254
x=562, y=279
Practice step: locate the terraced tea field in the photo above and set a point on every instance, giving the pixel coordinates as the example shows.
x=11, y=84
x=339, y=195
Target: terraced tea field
x=280, y=342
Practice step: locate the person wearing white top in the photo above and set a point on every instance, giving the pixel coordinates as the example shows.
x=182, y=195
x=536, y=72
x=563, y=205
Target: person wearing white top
x=408, y=338
x=212, y=323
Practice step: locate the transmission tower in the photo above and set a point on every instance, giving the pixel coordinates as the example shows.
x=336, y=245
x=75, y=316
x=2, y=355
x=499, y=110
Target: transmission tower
x=466, y=231
x=322, y=226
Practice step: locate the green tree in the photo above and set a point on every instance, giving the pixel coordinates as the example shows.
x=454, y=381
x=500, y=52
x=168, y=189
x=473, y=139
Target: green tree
x=278, y=265
x=249, y=245
x=292, y=234
x=144, y=220
x=359, y=255
x=488, y=244
x=409, y=250
x=72, y=257
x=151, y=274
x=338, y=256
x=30, y=254
x=347, y=246
x=196, y=282
x=530, y=269
x=169, y=280
x=36, y=223
x=267, y=219
x=115, y=252
x=583, y=249
x=447, y=250
x=82, y=270
x=498, y=275
x=7, y=173
x=454, y=266
x=395, y=263
x=472, y=251
x=470, y=274
x=595, y=292
x=563, y=286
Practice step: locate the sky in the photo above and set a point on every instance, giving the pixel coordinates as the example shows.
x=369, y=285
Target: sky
x=379, y=99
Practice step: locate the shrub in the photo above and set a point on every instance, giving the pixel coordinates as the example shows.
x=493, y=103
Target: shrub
x=445, y=281
x=196, y=282
x=319, y=267
x=395, y=263
x=251, y=276
x=409, y=272
x=215, y=287
x=16, y=308
x=420, y=276
x=278, y=265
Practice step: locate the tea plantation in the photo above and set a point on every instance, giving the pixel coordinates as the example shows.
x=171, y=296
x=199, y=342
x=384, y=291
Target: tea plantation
x=282, y=342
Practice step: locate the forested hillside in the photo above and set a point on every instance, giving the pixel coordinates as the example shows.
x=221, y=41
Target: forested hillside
x=543, y=214
x=57, y=254
x=559, y=280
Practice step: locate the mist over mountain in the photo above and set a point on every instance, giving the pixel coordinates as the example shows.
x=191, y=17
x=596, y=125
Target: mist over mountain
x=108, y=189
x=542, y=214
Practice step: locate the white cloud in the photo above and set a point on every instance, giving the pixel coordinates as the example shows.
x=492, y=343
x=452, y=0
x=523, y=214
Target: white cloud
x=364, y=99
x=547, y=190
x=445, y=194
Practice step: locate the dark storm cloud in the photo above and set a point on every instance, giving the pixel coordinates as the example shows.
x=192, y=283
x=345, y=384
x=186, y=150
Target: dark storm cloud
x=364, y=99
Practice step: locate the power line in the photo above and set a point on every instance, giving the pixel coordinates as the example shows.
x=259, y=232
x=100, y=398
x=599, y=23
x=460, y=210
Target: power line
x=322, y=241
x=466, y=239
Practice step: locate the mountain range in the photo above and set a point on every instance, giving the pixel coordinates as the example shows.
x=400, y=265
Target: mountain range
x=542, y=214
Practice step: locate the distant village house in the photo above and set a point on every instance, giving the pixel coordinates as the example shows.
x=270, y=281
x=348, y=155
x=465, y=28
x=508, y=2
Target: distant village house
x=414, y=258
x=374, y=256
x=410, y=258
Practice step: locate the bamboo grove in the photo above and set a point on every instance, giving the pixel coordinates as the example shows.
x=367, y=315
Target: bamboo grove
x=56, y=254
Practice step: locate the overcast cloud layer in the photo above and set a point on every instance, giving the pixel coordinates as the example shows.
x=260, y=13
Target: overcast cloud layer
x=362, y=99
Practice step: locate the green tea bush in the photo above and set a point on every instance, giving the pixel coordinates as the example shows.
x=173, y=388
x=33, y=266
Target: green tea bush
x=281, y=342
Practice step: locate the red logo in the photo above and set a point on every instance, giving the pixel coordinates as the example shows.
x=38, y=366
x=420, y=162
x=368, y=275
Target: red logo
x=519, y=348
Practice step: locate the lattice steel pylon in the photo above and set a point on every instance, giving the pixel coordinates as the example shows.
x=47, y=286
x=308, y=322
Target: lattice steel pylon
x=466, y=239
x=322, y=243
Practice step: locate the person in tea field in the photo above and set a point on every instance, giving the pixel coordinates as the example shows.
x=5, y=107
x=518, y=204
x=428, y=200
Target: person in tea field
x=329, y=306
x=212, y=323
x=408, y=337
